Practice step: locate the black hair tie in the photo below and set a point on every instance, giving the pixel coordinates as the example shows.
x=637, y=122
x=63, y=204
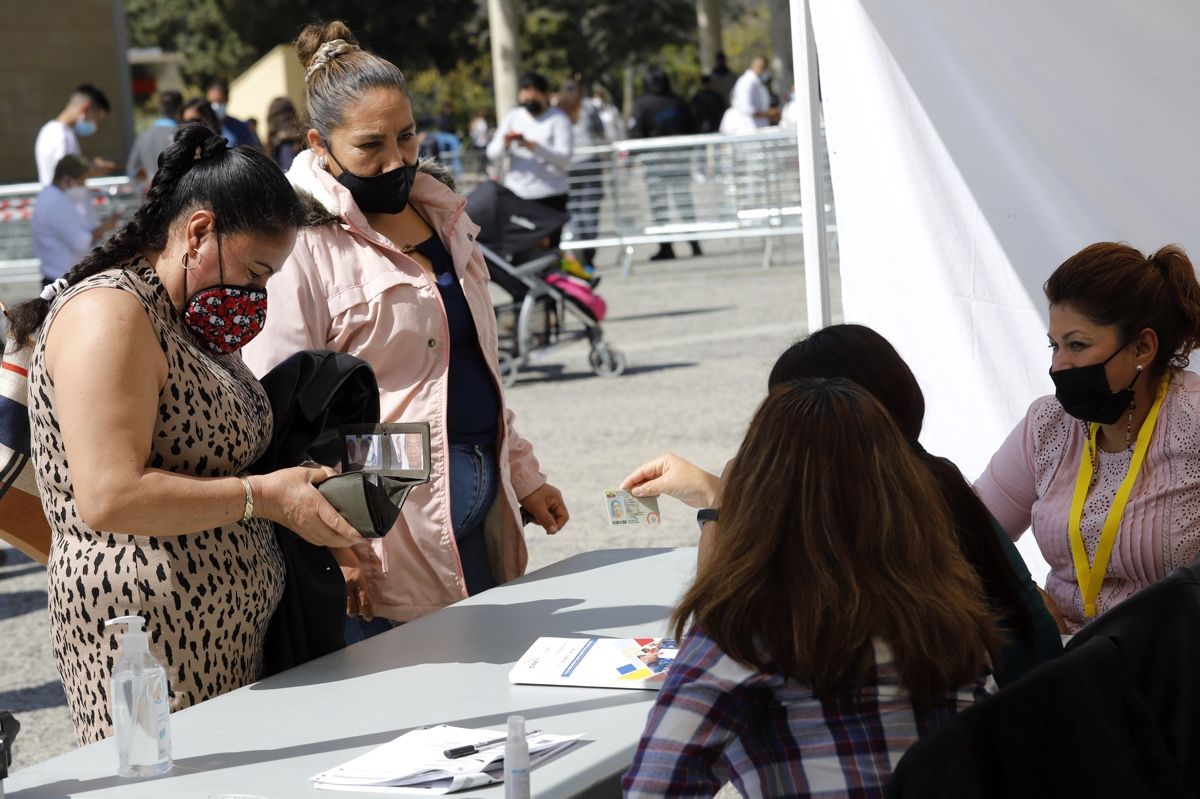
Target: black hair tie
x=216, y=145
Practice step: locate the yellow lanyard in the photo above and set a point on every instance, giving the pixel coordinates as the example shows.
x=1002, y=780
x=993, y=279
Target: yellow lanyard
x=1090, y=578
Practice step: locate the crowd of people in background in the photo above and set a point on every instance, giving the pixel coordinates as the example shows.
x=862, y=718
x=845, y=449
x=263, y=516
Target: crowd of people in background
x=539, y=150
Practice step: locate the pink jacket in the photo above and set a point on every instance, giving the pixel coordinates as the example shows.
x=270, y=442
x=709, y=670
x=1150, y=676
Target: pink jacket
x=347, y=288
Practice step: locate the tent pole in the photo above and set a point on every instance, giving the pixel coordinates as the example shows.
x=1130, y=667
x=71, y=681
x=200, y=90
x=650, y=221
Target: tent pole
x=812, y=184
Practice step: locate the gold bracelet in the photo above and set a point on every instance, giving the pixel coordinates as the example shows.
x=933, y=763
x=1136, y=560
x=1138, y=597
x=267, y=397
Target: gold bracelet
x=248, y=513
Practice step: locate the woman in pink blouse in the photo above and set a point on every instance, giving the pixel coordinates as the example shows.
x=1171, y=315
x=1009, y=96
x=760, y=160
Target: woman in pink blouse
x=1107, y=472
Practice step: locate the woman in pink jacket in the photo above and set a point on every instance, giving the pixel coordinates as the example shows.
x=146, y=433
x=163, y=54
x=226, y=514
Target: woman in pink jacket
x=388, y=271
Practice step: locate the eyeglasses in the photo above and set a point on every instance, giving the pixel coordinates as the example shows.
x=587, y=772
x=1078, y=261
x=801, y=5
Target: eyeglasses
x=704, y=516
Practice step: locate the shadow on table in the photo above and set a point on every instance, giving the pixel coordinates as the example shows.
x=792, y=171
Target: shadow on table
x=217, y=761
x=461, y=633
x=586, y=561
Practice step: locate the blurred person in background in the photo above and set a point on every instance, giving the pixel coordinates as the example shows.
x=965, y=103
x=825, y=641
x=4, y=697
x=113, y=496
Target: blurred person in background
x=661, y=112
x=65, y=225
x=587, y=171
x=285, y=135
x=445, y=118
x=199, y=110
x=86, y=108
x=708, y=106
x=235, y=131
x=143, y=156
x=539, y=144
x=723, y=78
x=750, y=102
x=480, y=130
x=614, y=125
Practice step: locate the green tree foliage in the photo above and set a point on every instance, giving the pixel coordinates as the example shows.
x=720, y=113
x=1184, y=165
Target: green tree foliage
x=221, y=38
x=598, y=40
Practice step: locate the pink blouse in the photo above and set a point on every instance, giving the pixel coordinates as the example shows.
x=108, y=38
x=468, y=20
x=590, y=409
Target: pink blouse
x=1031, y=480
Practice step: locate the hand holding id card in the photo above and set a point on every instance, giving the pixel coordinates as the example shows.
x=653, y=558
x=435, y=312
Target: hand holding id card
x=623, y=508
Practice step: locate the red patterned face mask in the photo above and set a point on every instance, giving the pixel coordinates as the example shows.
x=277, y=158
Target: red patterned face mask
x=226, y=317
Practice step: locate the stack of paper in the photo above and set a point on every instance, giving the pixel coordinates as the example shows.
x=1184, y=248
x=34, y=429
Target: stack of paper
x=415, y=763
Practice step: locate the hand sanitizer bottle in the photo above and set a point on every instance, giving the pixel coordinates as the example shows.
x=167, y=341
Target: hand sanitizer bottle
x=516, y=760
x=141, y=706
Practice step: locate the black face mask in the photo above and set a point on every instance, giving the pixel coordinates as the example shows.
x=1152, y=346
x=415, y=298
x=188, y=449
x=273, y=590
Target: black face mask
x=534, y=107
x=1084, y=393
x=386, y=193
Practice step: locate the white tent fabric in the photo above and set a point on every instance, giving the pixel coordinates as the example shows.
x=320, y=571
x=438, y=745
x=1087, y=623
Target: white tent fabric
x=974, y=145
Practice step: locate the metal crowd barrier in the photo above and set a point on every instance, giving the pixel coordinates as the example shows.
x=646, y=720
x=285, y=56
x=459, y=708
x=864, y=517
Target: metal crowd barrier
x=687, y=188
x=20, y=275
x=640, y=191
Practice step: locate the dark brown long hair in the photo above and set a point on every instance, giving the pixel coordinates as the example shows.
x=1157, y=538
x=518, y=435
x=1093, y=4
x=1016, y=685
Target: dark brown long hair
x=1111, y=283
x=858, y=353
x=832, y=535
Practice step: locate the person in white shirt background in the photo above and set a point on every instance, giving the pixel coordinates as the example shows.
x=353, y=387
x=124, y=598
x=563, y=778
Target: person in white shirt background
x=85, y=109
x=750, y=102
x=614, y=126
x=480, y=130
x=539, y=143
x=65, y=225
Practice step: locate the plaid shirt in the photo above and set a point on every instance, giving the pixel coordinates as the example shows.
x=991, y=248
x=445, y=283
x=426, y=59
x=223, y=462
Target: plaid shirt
x=717, y=720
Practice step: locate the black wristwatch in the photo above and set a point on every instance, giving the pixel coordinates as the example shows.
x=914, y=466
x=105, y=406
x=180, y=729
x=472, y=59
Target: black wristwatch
x=704, y=516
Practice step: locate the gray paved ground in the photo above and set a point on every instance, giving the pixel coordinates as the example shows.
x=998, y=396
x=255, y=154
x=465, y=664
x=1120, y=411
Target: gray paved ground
x=700, y=336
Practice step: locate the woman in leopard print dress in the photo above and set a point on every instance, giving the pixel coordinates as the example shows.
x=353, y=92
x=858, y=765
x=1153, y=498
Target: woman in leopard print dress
x=143, y=417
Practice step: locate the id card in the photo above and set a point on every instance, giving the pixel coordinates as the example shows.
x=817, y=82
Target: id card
x=623, y=508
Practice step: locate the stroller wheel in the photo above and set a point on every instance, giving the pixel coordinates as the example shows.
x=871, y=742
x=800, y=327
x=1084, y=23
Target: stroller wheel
x=508, y=370
x=606, y=362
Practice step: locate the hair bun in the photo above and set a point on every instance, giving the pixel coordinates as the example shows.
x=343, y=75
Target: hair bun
x=328, y=52
x=313, y=37
x=213, y=146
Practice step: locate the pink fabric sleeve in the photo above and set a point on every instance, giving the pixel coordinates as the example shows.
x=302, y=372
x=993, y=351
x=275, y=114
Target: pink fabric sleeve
x=523, y=464
x=297, y=314
x=1008, y=487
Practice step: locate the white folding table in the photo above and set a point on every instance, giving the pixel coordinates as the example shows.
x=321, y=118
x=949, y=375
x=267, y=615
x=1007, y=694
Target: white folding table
x=450, y=667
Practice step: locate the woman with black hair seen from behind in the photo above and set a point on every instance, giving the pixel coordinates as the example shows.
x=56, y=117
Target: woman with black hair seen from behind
x=143, y=419
x=1029, y=633
x=824, y=634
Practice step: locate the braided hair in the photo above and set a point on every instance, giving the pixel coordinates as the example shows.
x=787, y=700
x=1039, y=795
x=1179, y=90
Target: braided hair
x=244, y=189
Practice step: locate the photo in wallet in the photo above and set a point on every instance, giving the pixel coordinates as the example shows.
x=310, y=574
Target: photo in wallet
x=400, y=449
x=381, y=463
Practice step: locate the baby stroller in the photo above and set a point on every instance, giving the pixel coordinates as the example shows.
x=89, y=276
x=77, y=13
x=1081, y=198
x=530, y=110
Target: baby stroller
x=547, y=308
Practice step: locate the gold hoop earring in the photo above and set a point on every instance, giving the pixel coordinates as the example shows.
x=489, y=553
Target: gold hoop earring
x=199, y=259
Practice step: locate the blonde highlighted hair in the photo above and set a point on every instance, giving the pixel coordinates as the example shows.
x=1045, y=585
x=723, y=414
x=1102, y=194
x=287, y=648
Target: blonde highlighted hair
x=338, y=72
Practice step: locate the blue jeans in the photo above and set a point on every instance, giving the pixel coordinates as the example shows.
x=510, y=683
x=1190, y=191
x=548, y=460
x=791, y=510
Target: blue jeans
x=473, y=481
x=474, y=477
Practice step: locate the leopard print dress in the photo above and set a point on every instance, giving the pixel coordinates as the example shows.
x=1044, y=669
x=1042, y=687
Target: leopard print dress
x=206, y=597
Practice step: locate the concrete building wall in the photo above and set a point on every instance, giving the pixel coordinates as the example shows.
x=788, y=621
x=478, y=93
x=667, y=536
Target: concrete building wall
x=50, y=48
x=277, y=74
